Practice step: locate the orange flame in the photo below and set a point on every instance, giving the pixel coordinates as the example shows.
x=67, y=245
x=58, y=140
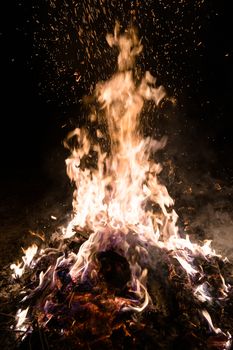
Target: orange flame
x=111, y=197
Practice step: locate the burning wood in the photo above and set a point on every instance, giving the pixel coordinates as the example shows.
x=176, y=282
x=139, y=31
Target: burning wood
x=121, y=275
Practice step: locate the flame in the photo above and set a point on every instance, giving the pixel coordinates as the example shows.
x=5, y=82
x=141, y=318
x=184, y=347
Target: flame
x=111, y=197
x=209, y=320
x=117, y=194
x=114, y=193
x=201, y=293
x=21, y=317
x=27, y=258
x=228, y=342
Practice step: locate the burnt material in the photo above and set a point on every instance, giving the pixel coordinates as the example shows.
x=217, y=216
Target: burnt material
x=114, y=268
x=96, y=314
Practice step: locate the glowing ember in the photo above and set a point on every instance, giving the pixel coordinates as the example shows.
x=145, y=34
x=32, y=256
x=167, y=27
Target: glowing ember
x=125, y=214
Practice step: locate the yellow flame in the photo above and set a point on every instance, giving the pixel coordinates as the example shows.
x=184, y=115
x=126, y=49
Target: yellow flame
x=117, y=194
x=27, y=258
x=114, y=192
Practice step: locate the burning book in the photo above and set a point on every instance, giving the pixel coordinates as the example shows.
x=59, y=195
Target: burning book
x=121, y=274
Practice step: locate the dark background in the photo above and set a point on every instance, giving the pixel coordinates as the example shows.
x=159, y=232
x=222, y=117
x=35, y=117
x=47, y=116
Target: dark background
x=187, y=45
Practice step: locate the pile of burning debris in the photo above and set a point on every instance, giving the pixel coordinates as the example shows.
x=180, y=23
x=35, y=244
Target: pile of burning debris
x=102, y=311
x=120, y=275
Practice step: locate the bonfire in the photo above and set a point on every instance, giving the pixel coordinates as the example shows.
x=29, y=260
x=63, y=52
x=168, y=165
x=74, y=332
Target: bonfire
x=121, y=274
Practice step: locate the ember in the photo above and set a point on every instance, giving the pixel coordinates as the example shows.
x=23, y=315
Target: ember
x=121, y=275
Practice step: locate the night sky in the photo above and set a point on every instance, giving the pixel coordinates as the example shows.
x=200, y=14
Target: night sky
x=49, y=45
